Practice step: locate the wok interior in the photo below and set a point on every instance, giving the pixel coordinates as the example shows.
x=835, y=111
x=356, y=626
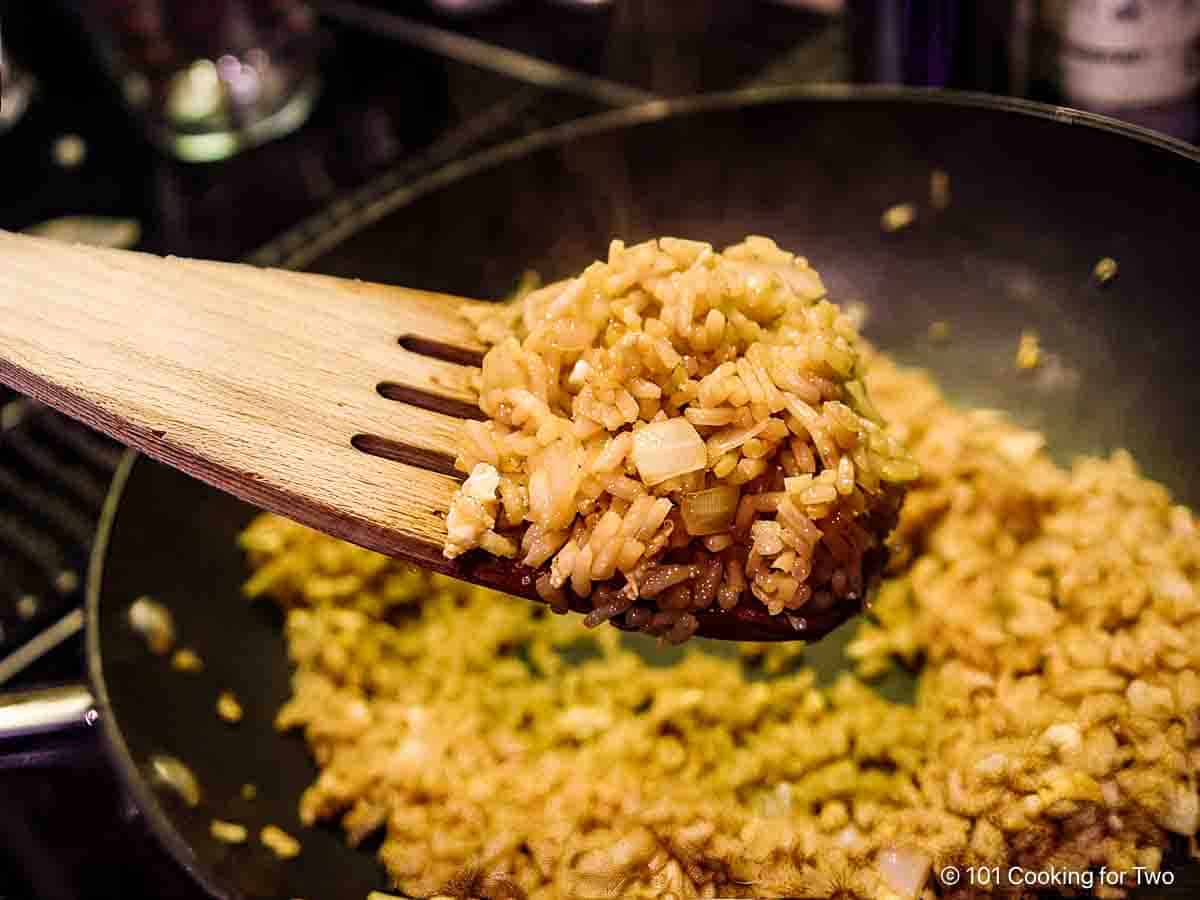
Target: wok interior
x=1035, y=204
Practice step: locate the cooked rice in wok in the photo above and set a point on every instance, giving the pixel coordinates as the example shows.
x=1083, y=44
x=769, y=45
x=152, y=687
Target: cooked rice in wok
x=1053, y=614
x=679, y=429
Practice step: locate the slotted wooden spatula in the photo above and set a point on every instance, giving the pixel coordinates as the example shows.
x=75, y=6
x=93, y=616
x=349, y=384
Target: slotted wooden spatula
x=334, y=402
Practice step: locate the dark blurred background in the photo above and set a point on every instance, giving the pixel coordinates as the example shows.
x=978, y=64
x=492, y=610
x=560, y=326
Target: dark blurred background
x=412, y=82
x=261, y=129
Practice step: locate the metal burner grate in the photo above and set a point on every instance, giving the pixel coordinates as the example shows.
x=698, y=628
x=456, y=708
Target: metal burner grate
x=53, y=478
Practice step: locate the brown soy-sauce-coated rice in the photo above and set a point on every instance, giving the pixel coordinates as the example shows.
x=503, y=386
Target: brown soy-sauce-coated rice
x=677, y=429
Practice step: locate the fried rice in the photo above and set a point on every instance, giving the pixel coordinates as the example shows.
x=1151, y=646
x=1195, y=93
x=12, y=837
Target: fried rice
x=678, y=429
x=1052, y=614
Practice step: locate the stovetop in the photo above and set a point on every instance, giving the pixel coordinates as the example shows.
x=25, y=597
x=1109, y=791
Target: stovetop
x=401, y=96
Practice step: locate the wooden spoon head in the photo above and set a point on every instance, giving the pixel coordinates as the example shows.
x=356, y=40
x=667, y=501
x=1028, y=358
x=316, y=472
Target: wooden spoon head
x=336, y=403
x=748, y=621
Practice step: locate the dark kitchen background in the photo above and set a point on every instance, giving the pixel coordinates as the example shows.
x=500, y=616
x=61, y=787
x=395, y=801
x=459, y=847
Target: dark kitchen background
x=397, y=89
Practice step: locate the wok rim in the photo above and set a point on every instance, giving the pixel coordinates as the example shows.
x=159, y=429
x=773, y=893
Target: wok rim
x=112, y=736
x=300, y=244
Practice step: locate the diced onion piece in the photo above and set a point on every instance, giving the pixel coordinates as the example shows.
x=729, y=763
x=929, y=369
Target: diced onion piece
x=570, y=334
x=904, y=870
x=579, y=374
x=710, y=511
x=551, y=302
x=1182, y=812
x=667, y=449
x=554, y=484
x=767, y=537
x=731, y=438
x=482, y=483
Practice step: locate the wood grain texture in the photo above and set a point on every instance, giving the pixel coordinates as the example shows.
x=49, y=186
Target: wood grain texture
x=270, y=385
x=252, y=380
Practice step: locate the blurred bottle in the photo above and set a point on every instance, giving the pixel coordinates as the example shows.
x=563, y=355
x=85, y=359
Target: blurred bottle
x=1138, y=59
x=1121, y=54
x=214, y=77
x=16, y=84
x=939, y=43
x=823, y=6
x=464, y=8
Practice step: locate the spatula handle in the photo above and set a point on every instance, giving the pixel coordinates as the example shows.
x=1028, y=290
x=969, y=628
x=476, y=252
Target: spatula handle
x=254, y=380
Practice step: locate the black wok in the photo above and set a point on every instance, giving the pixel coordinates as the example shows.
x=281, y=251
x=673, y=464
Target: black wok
x=1039, y=195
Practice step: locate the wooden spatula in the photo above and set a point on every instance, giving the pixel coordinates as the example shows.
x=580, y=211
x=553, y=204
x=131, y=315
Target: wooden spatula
x=333, y=402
